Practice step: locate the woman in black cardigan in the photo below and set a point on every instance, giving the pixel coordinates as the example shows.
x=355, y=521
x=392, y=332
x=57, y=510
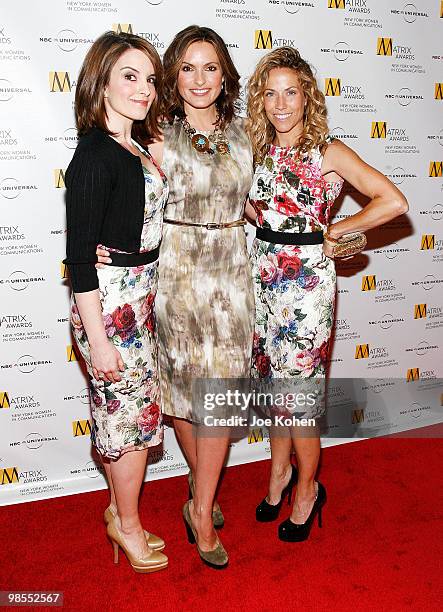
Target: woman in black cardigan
x=115, y=197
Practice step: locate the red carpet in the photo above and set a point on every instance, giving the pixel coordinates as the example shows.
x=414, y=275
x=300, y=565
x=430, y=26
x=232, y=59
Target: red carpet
x=379, y=548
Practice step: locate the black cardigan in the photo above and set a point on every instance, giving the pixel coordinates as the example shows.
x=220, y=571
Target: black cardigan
x=105, y=200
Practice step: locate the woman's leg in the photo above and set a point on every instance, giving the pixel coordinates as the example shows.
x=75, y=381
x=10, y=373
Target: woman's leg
x=184, y=430
x=281, y=470
x=127, y=475
x=186, y=436
x=211, y=455
x=306, y=442
x=107, y=467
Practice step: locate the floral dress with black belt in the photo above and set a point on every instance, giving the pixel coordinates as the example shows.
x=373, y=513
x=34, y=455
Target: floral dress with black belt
x=126, y=415
x=294, y=285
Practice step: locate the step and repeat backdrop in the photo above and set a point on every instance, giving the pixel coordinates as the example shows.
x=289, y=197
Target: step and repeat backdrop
x=380, y=65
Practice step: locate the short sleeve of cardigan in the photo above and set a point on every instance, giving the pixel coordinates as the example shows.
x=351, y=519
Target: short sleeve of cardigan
x=88, y=188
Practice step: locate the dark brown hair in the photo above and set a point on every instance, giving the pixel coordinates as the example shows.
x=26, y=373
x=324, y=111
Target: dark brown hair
x=172, y=61
x=94, y=76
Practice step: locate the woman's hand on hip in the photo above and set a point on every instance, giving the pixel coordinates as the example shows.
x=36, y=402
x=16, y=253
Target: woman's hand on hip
x=103, y=258
x=106, y=362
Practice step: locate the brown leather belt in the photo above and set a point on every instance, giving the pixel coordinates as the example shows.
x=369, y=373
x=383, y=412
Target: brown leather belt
x=209, y=226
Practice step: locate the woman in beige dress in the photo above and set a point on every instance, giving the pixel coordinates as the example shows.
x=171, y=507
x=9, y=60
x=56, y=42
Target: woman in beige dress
x=205, y=303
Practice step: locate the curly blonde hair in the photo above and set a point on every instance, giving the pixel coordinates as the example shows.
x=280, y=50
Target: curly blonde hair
x=260, y=129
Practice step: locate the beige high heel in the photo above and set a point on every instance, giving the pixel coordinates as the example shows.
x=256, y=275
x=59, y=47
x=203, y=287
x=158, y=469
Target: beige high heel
x=153, y=562
x=152, y=540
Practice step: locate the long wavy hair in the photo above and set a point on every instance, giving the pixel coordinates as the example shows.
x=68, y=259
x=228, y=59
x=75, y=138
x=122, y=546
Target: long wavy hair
x=172, y=61
x=94, y=75
x=260, y=129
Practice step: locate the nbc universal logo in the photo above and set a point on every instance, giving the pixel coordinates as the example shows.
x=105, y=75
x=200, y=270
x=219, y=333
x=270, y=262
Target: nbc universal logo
x=409, y=12
x=397, y=137
x=12, y=188
x=82, y=396
x=436, y=212
x=33, y=441
x=343, y=134
x=152, y=37
x=398, y=175
x=404, y=96
x=377, y=356
x=9, y=90
x=288, y=6
x=392, y=251
x=69, y=138
x=387, y=321
x=342, y=51
x=429, y=243
x=355, y=12
x=416, y=411
x=19, y=280
x=386, y=46
x=430, y=314
x=66, y=40
x=91, y=469
x=26, y=364
x=351, y=95
x=422, y=347
x=428, y=282
x=382, y=289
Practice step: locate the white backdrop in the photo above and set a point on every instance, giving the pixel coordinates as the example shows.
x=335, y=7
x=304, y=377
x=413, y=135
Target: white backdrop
x=381, y=64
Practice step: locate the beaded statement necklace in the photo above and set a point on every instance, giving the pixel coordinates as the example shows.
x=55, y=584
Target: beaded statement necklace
x=216, y=142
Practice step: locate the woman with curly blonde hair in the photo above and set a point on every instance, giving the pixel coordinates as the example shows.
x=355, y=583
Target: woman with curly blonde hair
x=299, y=173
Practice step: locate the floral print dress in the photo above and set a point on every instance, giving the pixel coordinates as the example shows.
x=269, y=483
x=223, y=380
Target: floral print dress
x=294, y=285
x=126, y=415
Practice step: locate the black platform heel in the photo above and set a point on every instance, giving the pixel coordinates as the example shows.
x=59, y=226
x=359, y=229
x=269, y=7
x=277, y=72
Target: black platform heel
x=265, y=513
x=293, y=532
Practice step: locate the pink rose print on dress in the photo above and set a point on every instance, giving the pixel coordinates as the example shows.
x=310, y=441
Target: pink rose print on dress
x=307, y=361
x=269, y=271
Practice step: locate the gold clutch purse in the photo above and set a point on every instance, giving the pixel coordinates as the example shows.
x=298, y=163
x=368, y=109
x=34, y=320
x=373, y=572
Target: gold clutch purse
x=347, y=245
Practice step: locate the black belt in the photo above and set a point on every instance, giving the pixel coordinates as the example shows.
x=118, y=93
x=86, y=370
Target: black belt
x=132, y=260
x=287, y=238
